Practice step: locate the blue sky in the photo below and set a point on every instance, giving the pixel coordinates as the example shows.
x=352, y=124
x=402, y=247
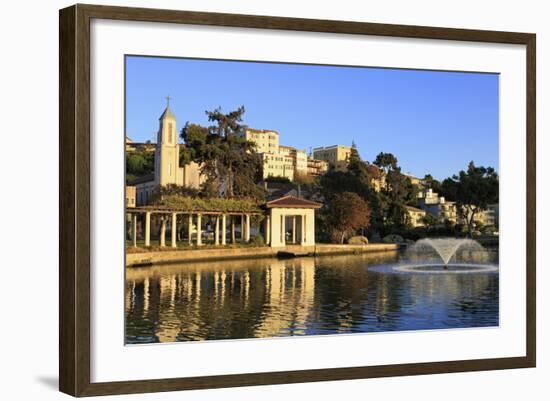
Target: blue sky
x=433, y=122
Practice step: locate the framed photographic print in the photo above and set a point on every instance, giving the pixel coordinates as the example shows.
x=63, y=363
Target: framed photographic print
x=250, y=200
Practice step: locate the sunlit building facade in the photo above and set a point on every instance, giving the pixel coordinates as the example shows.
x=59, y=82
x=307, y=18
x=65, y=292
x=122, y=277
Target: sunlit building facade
x=278, y=160
x=337, y=156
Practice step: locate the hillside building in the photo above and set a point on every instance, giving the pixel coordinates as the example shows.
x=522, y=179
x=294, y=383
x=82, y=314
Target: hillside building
x=337, y=156
x=278, y=160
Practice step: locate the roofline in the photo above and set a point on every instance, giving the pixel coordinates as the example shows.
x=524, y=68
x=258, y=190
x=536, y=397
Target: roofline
x=414, y=209
x=263, y=131
x=331, y=147
x=312, y=204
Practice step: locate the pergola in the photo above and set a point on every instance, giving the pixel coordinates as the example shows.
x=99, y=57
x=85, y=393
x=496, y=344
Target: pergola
x=193, y=218
x=287, y=214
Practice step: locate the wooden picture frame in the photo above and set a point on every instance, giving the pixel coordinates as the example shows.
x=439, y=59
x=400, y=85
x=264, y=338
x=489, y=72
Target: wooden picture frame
x=74, y=203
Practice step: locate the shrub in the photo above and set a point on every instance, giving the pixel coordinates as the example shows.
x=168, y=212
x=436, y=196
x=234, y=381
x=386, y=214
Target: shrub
x=257, y=240
x=358, y=240
x=208, y=204
x=392, y=239
x=278, y=179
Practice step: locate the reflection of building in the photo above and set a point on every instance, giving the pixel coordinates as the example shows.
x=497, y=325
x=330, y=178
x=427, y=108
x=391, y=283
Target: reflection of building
x=167, y=163
x=337, y=156
x=198, y=302
x=288, y=283
x=416, y=216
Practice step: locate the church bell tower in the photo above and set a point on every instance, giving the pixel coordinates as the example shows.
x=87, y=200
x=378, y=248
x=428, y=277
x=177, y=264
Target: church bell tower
x=167, y=150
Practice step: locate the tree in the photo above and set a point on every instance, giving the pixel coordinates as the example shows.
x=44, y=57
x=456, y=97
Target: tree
x=173, y=189
x=386, y=161
x=356, y=179
x=472, y=190
x=432, y=183
x=429, y=220
x=139, y=163
x=345, y=214
x=231, y=164
x=397, y=193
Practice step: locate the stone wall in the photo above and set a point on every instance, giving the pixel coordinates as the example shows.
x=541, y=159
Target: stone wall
x=196, y=255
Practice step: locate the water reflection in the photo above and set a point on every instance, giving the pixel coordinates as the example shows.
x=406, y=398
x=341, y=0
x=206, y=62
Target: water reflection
x=272, y=297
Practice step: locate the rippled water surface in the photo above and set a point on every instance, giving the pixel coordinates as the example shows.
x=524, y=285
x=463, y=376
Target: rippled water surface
x=304, y=296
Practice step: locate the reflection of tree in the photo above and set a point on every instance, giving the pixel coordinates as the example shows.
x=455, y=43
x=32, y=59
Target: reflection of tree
x=338, y=297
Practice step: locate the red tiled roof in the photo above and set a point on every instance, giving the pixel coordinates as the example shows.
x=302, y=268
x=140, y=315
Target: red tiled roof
x=290, y=201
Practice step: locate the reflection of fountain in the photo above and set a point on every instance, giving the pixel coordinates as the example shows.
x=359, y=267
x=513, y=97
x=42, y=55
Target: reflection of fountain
x=434, y=255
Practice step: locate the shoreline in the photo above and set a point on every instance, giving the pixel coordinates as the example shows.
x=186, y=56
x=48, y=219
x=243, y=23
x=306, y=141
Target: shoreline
x=144, y=259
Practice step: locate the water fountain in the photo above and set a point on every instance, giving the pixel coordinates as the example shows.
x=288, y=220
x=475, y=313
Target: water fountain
x=446, y=255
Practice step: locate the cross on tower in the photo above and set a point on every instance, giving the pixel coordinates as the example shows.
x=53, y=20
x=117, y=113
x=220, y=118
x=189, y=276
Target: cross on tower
x=168, y=101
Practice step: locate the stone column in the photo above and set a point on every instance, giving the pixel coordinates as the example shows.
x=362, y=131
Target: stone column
x=303, y=230
x=293, y=229
x=242, y=228
x=163, y=231
x=190, y=228
x=283, y=230
x=147, y=228
x=199, y=229
x=134, y=230
x=223, y=230
x=217, y=231
x=247, y=229
x=267, y=230
x=174, y=230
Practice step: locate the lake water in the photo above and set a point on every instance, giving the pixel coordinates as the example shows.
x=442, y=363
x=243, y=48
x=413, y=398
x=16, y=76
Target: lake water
x=303, y=296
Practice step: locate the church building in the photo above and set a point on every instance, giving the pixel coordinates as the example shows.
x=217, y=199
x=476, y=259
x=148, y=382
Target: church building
x=167, y=163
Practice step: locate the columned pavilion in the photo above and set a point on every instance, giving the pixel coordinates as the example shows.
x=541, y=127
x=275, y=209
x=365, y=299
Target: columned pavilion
x=290, y=221
x=287, y=221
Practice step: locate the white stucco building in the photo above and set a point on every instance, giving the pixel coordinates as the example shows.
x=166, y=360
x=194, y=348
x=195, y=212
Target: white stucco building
x=290, y=220
x=278, y=160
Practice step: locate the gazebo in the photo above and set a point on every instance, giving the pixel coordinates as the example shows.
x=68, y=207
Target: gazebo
x=294, y=215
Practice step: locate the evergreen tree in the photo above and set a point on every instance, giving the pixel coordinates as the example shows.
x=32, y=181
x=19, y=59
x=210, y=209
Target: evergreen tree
x=472, y=190
x=231, y=164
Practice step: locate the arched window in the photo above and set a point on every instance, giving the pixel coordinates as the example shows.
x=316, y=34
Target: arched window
x=169, y=138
